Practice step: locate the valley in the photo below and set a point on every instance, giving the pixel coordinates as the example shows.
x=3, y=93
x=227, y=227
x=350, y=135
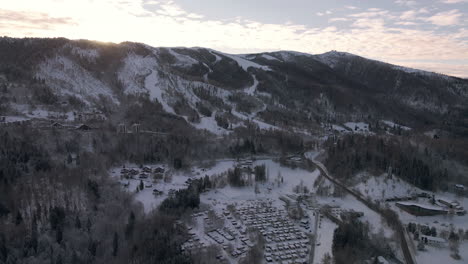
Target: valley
x=127, y=153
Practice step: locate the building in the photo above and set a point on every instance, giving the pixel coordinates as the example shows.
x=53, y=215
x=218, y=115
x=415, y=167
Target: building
x=460, y=189
x=450, y=204
x=381, y=260
x=91, y=116
x=122, y=128
x=159, y=170
x=136, y=128
x=83, y=127
x=421, y=209
x=57, y=125
x=433, y=241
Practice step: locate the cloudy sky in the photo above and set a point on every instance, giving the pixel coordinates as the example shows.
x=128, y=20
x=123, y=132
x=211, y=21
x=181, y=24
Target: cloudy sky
x=426, y=34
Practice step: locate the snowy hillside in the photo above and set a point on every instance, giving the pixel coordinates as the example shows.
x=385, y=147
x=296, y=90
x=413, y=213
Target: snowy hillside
x=212, y=90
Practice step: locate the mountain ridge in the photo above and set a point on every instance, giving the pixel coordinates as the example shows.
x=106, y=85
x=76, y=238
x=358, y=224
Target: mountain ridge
x=219, y=91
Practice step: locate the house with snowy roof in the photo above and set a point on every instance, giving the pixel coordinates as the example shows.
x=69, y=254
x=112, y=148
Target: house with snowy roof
x=433, y=241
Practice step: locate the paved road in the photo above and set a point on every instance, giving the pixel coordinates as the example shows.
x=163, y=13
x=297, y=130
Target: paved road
x=407, y=253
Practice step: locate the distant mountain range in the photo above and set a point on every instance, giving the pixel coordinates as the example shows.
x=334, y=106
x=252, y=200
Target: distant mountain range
x=218, y=91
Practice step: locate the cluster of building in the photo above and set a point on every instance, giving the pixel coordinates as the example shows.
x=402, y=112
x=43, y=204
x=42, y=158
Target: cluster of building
x=93, y=115
x=123, y=129
x=193, y=244
x=14, y=121
x=144, y=173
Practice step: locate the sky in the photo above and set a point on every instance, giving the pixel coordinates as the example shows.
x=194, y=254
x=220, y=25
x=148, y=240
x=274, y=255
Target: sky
x=424, y=34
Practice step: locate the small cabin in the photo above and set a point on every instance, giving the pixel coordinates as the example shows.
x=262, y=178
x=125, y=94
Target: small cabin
x=83, y=127
x=159, y=170
x=433, y=241
x=122, y=129
x=57, y=125
x=136, y=128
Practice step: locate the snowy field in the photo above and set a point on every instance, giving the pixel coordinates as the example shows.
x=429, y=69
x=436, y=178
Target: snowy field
x=357, y=126
x=395, y=125
x=324, y=240
x=434, y=255
x=382, y=187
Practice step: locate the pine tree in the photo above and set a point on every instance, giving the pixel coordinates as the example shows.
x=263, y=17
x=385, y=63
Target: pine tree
x=59, y=235
x=19, y=218
x=77, y=222
x=115, y=244
x=88, y=225
x=130, y=225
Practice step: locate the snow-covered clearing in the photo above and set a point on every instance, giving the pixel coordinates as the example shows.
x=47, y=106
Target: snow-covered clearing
x=153, y=86
x=251, y=90
x=324, y=239
x=67, y=77
x=357, y=126
x=349, y=202
x=269, y=57
x=382, y=187
x=210, y=124
x=433, y=255
x=182, y=60
x=89, y=54
x=395, y=125
x=340, y=129
x=246, y=64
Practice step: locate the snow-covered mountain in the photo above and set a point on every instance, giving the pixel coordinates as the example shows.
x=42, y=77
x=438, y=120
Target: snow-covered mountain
x=219, y=91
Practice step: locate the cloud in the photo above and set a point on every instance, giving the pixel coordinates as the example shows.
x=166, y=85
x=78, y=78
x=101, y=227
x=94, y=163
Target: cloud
x=337, y=19
x=371, y=13
x=447, y=18
x=36, y=20
x=405, y=2
x=406, y=23
x=170, y=9
x=413, y=14
x=327, y=12
x=351, y=7
x=453, y=1
x=369, y=23
x=460, y=70
x=371, y=34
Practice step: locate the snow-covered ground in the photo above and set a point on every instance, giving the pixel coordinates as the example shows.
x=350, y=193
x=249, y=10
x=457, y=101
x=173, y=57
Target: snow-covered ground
x=89, y=54
x=339, y=129
x=324, y=239
x=146, y=196
x=67, y=77
x=433, y=255
x=246, y=64
x=269, y=57
x=11, y=119
x=395, y=125
x=382, y=187
x=357, y=126
x=348, y=202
